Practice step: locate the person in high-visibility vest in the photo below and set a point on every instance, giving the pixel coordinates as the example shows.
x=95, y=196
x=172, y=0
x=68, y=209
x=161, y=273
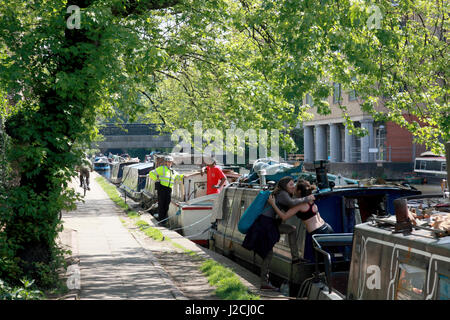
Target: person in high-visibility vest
x=164, y=176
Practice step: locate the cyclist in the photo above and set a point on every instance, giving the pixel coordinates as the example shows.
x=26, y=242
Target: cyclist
x=85, y=167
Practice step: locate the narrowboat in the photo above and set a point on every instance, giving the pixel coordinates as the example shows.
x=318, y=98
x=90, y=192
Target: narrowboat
x=117, y=170
x=190, y=209
x=101, y=163
x=430, y=167
x=133, y=179
x=343, y=207
x=393, y=259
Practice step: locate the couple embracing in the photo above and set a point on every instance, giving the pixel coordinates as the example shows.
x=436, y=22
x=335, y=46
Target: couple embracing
x=287, y=199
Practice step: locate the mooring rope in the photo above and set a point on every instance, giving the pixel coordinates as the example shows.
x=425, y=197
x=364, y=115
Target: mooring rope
x=192, y=223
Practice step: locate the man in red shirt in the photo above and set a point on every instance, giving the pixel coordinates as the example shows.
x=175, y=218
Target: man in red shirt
x=215, y=178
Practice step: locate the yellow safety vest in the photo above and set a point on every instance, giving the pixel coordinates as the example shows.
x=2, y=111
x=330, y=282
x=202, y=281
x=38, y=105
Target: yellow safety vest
x=165, y=176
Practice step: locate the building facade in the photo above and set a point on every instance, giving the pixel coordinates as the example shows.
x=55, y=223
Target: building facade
x=387, y=145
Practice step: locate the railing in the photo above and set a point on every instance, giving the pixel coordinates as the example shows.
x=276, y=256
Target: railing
x=134, y=129
x=329, y=240
x=387, y=154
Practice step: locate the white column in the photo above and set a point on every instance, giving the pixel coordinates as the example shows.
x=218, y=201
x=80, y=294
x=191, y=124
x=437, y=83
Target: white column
x=348, y=146
x=335, y=143
x=321, y=142
x=367, y=141
x=308, y=143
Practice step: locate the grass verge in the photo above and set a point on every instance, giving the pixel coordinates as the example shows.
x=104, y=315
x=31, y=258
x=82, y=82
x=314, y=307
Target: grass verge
x=228, y=286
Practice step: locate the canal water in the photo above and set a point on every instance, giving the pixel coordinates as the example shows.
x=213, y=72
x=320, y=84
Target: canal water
x=104, y=173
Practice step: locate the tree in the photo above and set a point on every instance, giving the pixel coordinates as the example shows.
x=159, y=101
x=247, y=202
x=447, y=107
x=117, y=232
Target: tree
x=393, y=53
x=219, y=61
x=60, y=78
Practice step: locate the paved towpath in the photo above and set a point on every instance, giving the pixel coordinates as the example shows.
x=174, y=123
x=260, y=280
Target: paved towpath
x=112, y=263
x=112, y=259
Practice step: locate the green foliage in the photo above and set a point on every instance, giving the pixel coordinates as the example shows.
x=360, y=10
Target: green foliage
x=25, y=292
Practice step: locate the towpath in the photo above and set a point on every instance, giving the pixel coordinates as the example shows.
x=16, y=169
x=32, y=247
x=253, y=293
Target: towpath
x=112, y=259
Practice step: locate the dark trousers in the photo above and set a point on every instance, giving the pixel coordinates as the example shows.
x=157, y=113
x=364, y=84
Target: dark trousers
x=324, y=229
x=164, y=197
x=84, y=173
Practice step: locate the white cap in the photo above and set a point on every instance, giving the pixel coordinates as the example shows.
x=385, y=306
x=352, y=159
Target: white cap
x=168, y=158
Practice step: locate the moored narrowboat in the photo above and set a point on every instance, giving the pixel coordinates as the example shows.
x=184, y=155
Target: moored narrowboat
x=342, y=207
x=101, y=163
x=191, y=208
x=133, y=180
x=117, y=170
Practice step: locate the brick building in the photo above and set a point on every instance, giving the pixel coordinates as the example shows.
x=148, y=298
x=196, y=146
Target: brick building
x=388, y=150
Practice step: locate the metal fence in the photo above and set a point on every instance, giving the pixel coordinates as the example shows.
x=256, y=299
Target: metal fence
x=388, y=154
x=134, y=129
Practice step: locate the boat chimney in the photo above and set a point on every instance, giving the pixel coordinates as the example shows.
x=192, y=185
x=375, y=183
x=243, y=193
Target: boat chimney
x=262, y=177
x=403, y=223
x=321, y=174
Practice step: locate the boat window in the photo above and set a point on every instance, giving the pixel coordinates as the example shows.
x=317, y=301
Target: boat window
x=444, y=288
x=423, y=164
x=243, y=207
x=417, y=165
x=411, y=282
x=227, y=207
x=235, y=217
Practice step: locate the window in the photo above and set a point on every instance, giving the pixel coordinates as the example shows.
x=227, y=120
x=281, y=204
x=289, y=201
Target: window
x=356, y=152
x=411, y=282
x=444, y=288
x=309, y=100
x=328, y=136
x=336, y=92
x=423, y=165
x=227, y=207
x=352, y=93
x=434, y=165
x=380, y=140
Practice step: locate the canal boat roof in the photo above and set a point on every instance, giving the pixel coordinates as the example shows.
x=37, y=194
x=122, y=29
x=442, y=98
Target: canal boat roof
x=420, y=237
x=117, y=170
x=419, y=257
x=133, y=181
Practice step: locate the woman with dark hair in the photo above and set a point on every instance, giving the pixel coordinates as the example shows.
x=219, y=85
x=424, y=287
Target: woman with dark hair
x=307, y=212
x=265, y=231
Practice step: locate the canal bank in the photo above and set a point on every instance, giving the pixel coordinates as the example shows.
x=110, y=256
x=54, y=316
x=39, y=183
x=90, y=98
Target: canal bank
x=114, y=259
